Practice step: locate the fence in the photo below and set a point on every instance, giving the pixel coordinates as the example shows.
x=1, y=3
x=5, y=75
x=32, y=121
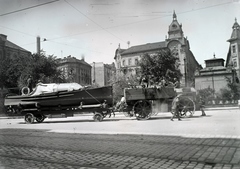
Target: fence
x=221, y=103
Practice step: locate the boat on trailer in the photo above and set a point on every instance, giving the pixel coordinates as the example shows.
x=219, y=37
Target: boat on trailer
x=65, y=99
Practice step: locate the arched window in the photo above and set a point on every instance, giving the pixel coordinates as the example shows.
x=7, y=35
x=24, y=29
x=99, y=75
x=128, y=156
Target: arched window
x=136, y=61
x=130, y=61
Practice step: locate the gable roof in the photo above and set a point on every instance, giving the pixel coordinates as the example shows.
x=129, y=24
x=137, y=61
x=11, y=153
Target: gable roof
x=10, y=44
x=14, y=46
x=144, y=48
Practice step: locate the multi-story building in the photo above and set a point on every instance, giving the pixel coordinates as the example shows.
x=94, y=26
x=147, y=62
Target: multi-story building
x=127, y=59
x=9, y=49
x=233, y=56
x=102, y=74
x=215, y=74
x=75, y=70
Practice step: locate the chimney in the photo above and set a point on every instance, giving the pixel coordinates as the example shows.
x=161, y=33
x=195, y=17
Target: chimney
x=3, y=37
x=38, y=45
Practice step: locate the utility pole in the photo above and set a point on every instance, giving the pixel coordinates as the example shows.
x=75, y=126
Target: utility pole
x=38, y=45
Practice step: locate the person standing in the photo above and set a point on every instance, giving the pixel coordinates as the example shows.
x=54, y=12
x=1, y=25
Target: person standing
x=30, y=83
x=202, y=106
x=175, y=108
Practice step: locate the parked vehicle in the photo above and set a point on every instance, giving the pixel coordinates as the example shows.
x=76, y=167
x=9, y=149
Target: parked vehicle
x=145, y=102
x=54, y=100
x=49, y=100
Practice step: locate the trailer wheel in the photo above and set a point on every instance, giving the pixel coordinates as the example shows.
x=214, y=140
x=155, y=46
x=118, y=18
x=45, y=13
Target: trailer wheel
x=40, y=118
x=186, y=106
x=29, y=118
x=142, y=109
x=98, y=117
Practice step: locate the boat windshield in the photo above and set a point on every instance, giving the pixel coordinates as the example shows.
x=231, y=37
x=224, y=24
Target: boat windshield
x=55, y=87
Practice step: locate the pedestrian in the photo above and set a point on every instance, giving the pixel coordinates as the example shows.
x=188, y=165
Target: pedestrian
x=144, y=82
x=175, y=108
x=202, y=106
x=30, y=83
x=176, y=83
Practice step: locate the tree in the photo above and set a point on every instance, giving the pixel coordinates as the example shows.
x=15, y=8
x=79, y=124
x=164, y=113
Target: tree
x=159, y=65
x=15, y=70
x=207, y=93
x=119, y=83
x=11, y=69
x=234, y=89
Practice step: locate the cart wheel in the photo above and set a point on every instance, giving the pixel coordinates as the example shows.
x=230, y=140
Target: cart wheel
x=29, y=118
x=98, y=117
x=142, y=109
x=186, y=106
x=40, y=118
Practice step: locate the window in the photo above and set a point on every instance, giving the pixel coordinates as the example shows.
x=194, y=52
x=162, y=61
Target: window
x=136, y=61
x=130, y=61
x=234, y=49
x=123, y=62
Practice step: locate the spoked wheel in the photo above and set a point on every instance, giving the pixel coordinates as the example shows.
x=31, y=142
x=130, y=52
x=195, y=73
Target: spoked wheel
x=29, y=118
x=40, y=118
x=98, y=117
x=142, y=109
x=186, y=106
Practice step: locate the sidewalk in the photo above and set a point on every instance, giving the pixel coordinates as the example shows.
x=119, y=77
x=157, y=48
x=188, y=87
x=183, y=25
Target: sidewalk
x=3, y=116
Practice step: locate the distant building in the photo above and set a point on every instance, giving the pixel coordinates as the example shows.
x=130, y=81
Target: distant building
x=213, y=75
x=9, y=49
x=126, y=60
x=102, y=74
x=233, y=56
x=75, y=70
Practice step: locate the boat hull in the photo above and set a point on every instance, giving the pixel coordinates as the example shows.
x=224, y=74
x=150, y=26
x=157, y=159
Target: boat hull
x=63, y=98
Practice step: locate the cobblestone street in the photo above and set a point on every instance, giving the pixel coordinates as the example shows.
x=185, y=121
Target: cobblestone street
x=25, y=148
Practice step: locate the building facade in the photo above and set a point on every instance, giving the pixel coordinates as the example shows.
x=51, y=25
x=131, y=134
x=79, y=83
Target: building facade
x=9, y=49
x=127, y=59
x=213, y=76
x=102, y=74
x=75, y=70
x=233, y=56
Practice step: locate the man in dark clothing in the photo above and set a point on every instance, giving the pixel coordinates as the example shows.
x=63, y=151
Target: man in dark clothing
x=175, y=108
x=30, y=83
x=202, y=106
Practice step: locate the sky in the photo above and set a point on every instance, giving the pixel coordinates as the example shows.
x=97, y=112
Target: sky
x=93, y=29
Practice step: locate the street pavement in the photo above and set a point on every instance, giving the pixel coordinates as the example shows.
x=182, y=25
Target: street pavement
x=122, y=142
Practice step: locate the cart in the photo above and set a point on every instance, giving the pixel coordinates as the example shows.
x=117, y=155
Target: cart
x=146, y=102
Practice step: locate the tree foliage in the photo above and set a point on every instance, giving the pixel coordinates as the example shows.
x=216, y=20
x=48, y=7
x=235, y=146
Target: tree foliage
x=234, y=89
x=119, y=82
x=12, y=68
x=159, y=65
x=207, y=93
x=15, y=70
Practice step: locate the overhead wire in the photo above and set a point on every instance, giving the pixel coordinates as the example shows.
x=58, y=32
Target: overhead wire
x=28, y=8
x=92, y=20
x=102, y=28
x=146, y=20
